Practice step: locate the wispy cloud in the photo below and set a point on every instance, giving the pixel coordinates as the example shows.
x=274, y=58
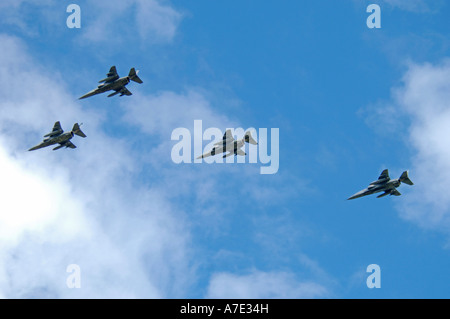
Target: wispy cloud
x=423, y=106
x=425, y=97
x=169, y=110
x=415, y=5
x=152, y=20
x=149, y=21
x=74, y=207
x=262, y=285
x=129, y=232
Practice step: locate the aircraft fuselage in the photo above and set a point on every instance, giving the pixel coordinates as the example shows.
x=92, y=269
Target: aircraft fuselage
x=119, y=83
x=54, y=140
x=227, y=147
x=377, y=187
x=104, y=87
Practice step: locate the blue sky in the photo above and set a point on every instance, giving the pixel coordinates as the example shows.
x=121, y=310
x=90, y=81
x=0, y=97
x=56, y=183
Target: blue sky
x=348, y=101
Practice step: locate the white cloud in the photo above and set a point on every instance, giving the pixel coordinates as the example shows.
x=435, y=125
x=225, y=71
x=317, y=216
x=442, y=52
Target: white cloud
x=77, y=206
x=417, y=6
x=263, y=285
x=17, y=14
x=409, y=5
x=90, y=207
x=152, y=20
x=169, y=110
x=424, y=98
x=155, y=21
x=412, y=6
x=40, y=206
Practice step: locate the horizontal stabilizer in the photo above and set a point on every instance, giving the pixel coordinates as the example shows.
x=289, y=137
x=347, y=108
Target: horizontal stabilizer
x=249, y=139
x=76, y=130
x=404, y=178
x=133, y=75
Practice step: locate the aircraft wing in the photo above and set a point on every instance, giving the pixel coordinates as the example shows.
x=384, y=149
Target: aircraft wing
x=384, y=175
x=112, y=71
x=395, y=192
x=227, y=138
x=57, y=126
x=211, y=153
x=229, y=154
x=57, y=130
x=123, y=91
x=111, y=76
x=64, y=144
x=238, y=152
x=68, y=144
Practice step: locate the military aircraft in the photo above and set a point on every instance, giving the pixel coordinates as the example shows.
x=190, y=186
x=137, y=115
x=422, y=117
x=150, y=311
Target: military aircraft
x=57, y=136
x=229, y=144
x=113, y=82
x=384, y=183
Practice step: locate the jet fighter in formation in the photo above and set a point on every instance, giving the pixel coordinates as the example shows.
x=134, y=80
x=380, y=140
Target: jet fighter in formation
x=111, y=82
x=230, y=145
x=384, y=184
x=57, y=136
x=114, y=82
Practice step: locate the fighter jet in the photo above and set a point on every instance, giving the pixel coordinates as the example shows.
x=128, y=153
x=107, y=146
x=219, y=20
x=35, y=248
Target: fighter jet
x=113, y=82
x=57, y=136
x=384, y=183
x=230, y=145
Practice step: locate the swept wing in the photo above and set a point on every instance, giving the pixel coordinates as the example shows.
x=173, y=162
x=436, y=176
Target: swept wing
x=124, y=91
x=56, y=131
x=237, y=152
x=227, y=138
x=384, y=175
x=65, y=144
x=68, y=144
x=111, y=76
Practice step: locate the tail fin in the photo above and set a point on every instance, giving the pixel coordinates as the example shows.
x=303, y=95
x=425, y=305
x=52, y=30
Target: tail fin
x=404, y=178
x=133, y=75
x=76, y=130
x=249, y=139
